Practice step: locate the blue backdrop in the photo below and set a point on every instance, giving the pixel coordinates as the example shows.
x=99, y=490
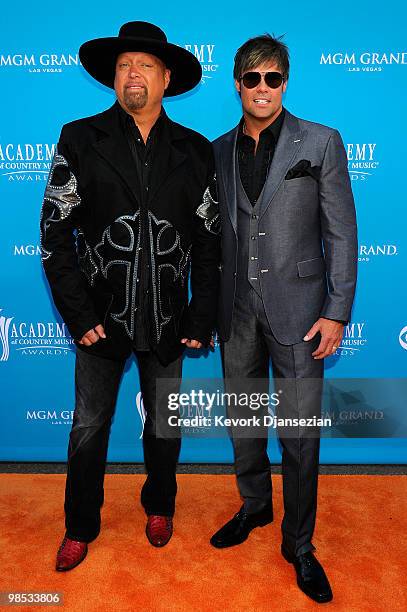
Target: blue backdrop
x=348, y=70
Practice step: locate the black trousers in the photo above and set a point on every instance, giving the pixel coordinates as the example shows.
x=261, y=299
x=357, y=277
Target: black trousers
x=246, y=356
x=96, y=387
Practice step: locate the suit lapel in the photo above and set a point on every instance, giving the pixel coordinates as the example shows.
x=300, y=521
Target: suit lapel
x=115, y=150
x=167, y=155
x=229, y=173
x=288, y=145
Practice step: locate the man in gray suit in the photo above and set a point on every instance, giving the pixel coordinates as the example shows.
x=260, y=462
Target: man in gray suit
x=288, y=278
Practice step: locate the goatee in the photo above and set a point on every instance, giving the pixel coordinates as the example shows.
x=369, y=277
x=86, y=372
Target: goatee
x=135, y=100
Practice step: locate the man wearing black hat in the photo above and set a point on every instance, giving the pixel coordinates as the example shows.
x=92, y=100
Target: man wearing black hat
x=127, y=210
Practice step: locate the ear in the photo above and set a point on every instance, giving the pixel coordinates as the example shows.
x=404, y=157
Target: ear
x=284, y=86
x=167, y=77
x=237, y=85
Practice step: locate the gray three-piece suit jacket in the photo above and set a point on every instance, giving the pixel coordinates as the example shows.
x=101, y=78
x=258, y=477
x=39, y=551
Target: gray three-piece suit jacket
x=305, y=231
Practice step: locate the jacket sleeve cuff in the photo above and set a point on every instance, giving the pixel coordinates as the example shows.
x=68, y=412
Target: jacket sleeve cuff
x=194, y=331
x=337, y=320
x=80, y=328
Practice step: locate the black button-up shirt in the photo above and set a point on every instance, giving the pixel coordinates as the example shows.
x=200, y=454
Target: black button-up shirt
x=254, y=165
x=143, y=156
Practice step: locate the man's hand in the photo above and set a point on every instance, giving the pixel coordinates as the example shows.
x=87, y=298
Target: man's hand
x=195, y=344
x=331, y=337
x=93, y=335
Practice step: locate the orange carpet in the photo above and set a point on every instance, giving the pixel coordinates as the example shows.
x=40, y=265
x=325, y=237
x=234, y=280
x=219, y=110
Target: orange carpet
x=360, y=539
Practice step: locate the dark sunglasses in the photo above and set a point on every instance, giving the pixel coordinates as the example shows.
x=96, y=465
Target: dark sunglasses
x=252, y=79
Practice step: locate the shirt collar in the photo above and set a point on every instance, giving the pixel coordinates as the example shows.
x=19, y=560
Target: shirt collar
x=127, y=120
x=273, y=129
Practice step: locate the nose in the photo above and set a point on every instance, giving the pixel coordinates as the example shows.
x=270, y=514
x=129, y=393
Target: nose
x=134, y=72
x=262, y=86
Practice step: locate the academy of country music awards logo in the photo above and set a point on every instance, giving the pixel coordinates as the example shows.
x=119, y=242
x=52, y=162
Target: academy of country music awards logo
x=25, y=163
x=362, y=162
x=33, y=338
x=205, y=55
x=52, y=339
x=365, y=61
x=31, y=162
x=354, y=340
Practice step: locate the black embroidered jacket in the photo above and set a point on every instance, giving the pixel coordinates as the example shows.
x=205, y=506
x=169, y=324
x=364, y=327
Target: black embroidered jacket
x=90, y=236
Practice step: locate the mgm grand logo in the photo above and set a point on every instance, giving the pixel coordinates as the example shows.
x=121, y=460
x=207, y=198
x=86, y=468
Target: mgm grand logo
x=367, y=61
x=43, y=62
x=368, y=252
x=52, y=417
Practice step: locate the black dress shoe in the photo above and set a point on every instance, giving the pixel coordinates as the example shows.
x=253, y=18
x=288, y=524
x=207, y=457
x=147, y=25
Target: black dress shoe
x=238, y=528
x=311, y=577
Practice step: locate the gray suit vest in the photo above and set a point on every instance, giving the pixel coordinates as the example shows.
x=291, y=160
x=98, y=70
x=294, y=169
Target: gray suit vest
x=248, y=271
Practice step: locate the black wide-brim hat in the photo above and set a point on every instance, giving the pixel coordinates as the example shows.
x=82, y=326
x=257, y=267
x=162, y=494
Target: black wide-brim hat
x=99, y=56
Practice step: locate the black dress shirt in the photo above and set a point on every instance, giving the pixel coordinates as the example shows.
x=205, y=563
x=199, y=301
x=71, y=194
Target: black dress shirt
x=143, y=155
x=254, y=165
